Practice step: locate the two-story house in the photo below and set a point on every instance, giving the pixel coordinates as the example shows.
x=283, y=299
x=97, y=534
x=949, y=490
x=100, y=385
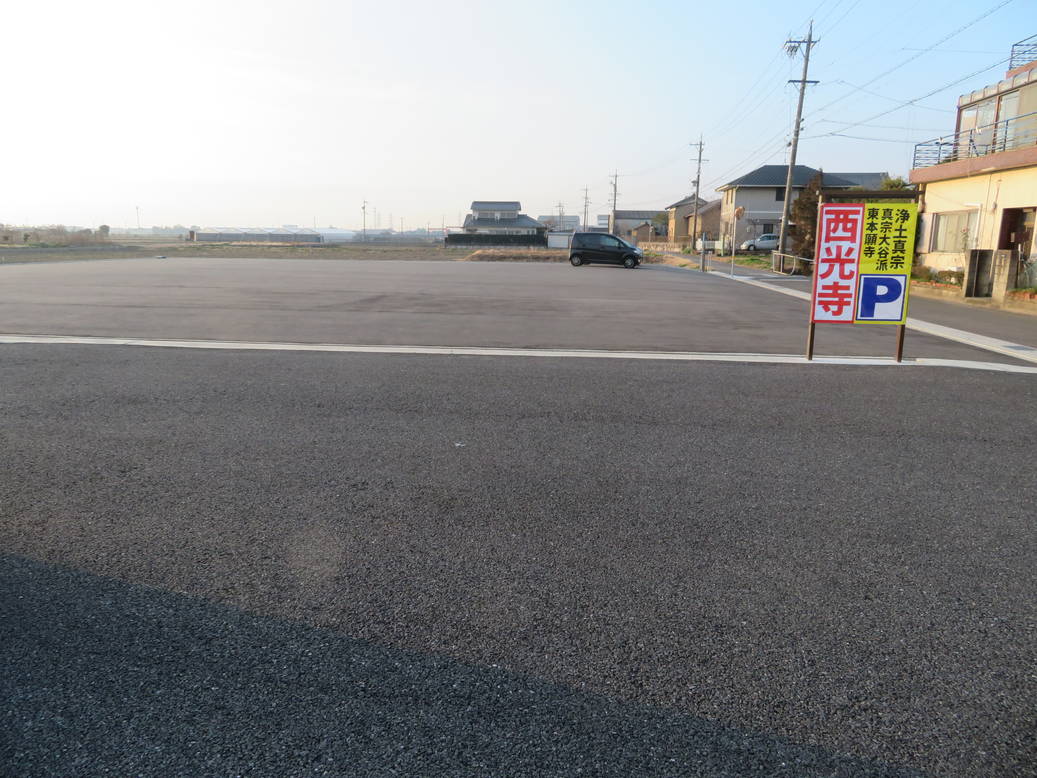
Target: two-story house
x=978, y=185
x=500, y=217
x=762, y=194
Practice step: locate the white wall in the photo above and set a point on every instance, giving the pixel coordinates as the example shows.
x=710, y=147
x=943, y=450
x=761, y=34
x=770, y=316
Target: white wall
x=990, y=194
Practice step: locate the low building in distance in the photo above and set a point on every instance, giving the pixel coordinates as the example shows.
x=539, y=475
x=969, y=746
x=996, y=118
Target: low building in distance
x=498, y=223
x=567, y=222
x=623, y=223
x=256, y=235
x=500, y=217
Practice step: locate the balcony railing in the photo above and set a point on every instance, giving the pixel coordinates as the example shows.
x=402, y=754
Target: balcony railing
x=1005, y=135
x=1023, y=52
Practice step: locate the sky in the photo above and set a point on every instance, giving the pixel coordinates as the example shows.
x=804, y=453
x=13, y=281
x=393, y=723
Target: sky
x=225, y=113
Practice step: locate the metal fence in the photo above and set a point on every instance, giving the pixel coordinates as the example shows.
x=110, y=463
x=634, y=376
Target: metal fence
x=789, y=264
x=479, y=239
x=1005, y=135
x=1023, y=52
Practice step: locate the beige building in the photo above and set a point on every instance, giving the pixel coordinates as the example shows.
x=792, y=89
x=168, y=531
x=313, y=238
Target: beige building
x=978, y=186
x=708, y=222
x=677, y=227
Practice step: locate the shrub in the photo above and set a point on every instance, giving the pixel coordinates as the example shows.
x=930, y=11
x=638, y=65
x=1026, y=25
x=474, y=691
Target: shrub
x=956, y=277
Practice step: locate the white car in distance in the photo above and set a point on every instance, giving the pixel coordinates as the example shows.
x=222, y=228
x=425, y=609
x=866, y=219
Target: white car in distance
x=766, y=242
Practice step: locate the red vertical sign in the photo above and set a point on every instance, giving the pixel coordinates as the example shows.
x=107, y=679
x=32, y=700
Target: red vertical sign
x=835, y=265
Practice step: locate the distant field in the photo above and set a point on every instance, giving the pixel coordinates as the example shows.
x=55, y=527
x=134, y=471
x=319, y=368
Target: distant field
x=426, y=251
x=518, y=255
x=13, y=254
x=324, y=251
x=228, y=251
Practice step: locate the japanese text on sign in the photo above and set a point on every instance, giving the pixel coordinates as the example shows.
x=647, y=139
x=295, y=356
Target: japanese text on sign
x=863, y=262
x=835, y=276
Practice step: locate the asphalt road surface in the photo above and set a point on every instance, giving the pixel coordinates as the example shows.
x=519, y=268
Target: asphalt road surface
x=430, y=303
x=284, y=563
x=451, y=564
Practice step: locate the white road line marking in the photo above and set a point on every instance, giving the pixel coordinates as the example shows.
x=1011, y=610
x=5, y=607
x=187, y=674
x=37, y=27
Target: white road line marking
x=678, y=356
x=974, y=339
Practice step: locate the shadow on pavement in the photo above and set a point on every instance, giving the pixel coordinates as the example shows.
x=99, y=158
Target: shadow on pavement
x=106, y=677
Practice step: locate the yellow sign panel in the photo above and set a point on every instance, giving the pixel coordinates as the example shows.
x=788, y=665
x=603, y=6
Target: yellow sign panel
x=887, y=250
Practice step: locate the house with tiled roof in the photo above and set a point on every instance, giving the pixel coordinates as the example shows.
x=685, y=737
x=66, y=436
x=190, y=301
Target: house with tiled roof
x=500, y=217
x=761, y=193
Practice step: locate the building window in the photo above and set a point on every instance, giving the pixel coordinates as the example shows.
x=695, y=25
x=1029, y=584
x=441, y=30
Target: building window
x=954, y=231
x=779, y=193
x=768, y=228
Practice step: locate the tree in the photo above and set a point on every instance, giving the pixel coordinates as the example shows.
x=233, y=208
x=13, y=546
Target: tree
x=894, y=183
x=803, y=215
x=103, y=231
x=662, y=222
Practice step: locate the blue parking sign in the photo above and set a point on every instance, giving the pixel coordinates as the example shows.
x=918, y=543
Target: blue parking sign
x=881, y=297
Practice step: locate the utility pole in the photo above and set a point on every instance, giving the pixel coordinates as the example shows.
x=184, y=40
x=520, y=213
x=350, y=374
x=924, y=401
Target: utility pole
x=561, y=216
x=586, y=206
x=363, y=210
x=615, y=195
x=695, y=220
x=138, y=216
x=793, y=48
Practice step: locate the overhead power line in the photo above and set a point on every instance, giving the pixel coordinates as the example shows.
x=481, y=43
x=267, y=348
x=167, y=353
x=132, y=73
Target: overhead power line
x=886, y=126
x=887, y=97
x=768, y=144
x=906, y=103
x=913, y=57
x=830, y=28
x=861, y=137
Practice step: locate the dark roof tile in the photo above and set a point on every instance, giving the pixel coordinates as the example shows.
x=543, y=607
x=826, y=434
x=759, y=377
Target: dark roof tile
x=775, y=175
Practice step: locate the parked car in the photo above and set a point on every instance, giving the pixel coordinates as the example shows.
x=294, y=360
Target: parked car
x=765, y=242
x=587, y=247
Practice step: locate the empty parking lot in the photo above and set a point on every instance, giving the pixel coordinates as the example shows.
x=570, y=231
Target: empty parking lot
x=225, y=561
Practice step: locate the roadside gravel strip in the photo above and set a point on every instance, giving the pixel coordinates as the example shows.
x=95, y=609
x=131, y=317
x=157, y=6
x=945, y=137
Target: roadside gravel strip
x=487, y=565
